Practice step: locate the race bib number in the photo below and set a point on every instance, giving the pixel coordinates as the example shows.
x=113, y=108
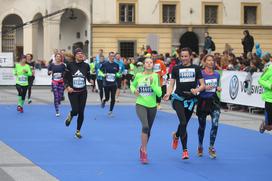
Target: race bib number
x=78, y=82
x=22, y=79
x=157, y=67
x=57, y=76
x=164, y=80
x=187, y=75
x=144, y=88
x=110, y=77
x=213, y=83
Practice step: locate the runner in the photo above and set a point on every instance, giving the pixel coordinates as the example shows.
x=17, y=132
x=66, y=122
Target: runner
x=57, y=70
x=93, y=75
x=131, y=71
x=31, y=63
x=99, y=77
x=186, y=77
x=110, y=72
x=160, y=69
x=121, y=65
x=266, y=81
x=22, y=71
x=75, y=77
x=146, y=87
x=208, y=104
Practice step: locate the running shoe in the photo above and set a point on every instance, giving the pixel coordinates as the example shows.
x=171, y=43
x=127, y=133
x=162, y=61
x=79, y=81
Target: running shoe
x=185, y=154
x=110, y=114
x=68, y=119
x=200, y=151
x=174, y=141
x=78, y=135
x=144, y=158
x=20, y=109
x=57, y=114
x=262, y=127
x=103, y=104
x=212, y=152
x=29, y=101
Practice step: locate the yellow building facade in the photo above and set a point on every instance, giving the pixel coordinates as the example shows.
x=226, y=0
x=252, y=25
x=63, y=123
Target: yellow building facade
x=170, y=24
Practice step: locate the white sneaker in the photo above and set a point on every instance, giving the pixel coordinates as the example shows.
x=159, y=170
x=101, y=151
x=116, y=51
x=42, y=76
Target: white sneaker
x=57, y=114
x=110, y=114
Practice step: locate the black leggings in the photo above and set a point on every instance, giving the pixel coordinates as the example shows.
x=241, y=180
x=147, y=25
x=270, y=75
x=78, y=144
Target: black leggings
x=78, y=102
x=30, y=83
x=21, y=91
x=93, y=78
x=146, y=116
x=110, y=90
x=158, y=99
x=184, y=115
x=100, y=87
x=268, y=113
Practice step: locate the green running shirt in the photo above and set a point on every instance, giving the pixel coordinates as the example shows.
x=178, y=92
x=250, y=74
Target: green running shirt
x=148, y=90
x=21, y=76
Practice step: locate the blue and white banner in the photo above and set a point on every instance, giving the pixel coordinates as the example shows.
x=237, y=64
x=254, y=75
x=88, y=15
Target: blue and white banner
x=6, y=59
x=234, y=89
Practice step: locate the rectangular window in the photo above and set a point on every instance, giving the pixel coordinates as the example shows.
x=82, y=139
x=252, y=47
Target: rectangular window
x=250, y=14
x=211, y=13
x=169, y=13
x=8, y=39
x=127, y=48
x=126, y=13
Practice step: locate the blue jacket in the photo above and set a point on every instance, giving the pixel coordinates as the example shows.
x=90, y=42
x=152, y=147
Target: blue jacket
x=258, y=50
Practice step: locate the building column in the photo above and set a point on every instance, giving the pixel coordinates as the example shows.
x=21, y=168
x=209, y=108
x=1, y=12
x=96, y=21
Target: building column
x=51, y=28
x=27, y=39
x=1, y=38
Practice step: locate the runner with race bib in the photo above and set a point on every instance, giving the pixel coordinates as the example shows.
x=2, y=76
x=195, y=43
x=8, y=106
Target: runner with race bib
x=75, y=77
x=146, y=87
x=110, y=72
x=22, y=71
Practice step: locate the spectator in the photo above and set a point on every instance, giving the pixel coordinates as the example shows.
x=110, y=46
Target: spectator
x=247, y=42
x=233, y=63
x=266, y=58
x=196, y=59
x=258, y=50
x=208, y=43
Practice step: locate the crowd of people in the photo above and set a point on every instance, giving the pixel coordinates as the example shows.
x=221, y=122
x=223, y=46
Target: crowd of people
x=192, y=81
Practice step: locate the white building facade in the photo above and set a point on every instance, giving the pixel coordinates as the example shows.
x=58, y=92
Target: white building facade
x=39, y=26
x=130, y=25
x=127, y=26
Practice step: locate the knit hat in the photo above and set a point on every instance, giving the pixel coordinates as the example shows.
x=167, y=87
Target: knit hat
x=22, y=57
x=77, y=50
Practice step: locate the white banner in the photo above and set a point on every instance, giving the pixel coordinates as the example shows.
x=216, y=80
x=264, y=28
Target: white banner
x=234, y=91
x=41, y=77
x=6, y=59
x=7, y=77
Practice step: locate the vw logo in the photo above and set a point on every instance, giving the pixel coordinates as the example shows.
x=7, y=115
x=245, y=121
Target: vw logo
x=234, y=87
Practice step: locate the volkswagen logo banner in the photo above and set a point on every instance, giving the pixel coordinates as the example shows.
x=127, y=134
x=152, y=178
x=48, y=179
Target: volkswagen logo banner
x=234, y=87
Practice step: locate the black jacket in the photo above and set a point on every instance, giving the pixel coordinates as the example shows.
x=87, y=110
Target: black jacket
x=248, y=43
